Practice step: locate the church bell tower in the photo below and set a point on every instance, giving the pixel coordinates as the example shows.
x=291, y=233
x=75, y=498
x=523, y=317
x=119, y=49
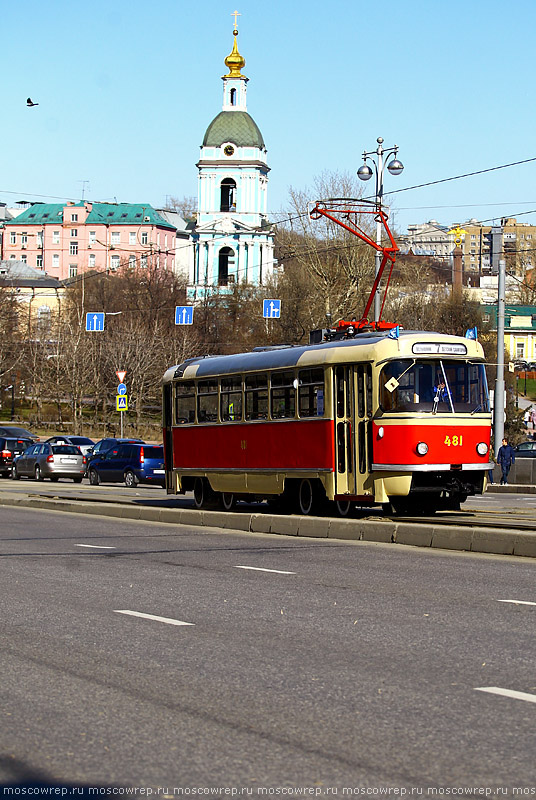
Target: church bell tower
x=233, y=240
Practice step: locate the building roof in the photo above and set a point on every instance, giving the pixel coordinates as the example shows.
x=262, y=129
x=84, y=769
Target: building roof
x=237, y=127
x=19, y=274
x=101, y=213
x=126, y=214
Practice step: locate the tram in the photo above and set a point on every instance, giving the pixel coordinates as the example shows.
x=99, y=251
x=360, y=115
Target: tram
x=361, y=417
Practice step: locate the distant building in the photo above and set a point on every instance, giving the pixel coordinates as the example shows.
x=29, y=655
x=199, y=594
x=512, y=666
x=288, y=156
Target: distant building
x=41, y=294
x=428, y=238
x=519, y=329
x=233, y=241
x=66, y=239
x=483, y=246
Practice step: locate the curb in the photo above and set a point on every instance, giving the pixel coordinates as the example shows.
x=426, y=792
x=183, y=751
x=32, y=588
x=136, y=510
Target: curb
x=444, y=537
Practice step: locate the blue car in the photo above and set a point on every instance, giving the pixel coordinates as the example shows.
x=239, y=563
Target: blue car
x=131, y=463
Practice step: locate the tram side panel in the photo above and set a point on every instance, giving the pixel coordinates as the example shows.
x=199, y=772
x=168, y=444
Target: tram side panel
x=254, y=457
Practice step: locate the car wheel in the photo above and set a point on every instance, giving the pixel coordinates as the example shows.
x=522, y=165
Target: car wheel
x=14, y=474
x=94, y=477
x=78, y=479
x=38, y=473
x=54, y=478
x=130, y=479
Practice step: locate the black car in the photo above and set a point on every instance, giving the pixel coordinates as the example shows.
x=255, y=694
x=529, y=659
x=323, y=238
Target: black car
x=12, y=431
x=9, y=448
x=526, y=450
x=105, y=446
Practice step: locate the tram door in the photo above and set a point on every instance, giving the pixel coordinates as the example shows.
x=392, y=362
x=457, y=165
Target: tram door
x=345, y=452
x=363, y=423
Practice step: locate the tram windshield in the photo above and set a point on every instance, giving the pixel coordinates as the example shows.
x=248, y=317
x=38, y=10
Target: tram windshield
x=434, y=385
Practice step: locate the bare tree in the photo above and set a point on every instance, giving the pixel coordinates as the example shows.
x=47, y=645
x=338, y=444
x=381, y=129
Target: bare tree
x=185, y=206
x=339, y=266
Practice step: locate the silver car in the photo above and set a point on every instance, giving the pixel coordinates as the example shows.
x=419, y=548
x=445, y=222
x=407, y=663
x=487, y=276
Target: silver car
x=82, y=442
x=52, y=461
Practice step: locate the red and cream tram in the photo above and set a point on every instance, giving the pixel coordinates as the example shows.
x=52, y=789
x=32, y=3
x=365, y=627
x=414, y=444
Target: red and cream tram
x=362, y=419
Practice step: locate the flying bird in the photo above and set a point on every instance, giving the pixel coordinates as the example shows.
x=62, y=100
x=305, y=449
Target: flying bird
x=30, y=103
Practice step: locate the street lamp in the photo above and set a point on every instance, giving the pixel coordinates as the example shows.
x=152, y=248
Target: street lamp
x=365, y=173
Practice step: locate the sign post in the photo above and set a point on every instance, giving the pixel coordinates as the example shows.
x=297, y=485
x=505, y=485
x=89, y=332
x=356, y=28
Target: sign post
x=121, y=399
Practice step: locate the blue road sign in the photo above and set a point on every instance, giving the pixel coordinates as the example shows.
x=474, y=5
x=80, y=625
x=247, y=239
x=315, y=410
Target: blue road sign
x=121, y=402
x=95, y=321
x=271, y=309
x=184, y=315
x=122, y=388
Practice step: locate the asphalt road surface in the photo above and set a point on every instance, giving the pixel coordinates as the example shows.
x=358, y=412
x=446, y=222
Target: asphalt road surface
x=195, y=661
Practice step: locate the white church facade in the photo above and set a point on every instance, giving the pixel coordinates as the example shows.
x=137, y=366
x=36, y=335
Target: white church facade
x=232, y=240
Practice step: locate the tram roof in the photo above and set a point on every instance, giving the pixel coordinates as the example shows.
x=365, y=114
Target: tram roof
x=311, y=355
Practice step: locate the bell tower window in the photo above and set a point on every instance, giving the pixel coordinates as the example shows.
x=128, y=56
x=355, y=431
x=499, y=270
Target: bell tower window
x=226, y=260
x=228, y=195
x=233, y=97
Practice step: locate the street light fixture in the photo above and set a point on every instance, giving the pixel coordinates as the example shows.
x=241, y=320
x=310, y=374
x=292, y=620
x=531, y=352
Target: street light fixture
x=365, y=173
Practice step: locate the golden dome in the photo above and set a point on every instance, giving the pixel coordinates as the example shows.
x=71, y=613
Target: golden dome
x=235, y=61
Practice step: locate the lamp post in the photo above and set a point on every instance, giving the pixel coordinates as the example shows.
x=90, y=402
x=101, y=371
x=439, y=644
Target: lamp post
x=365, y=173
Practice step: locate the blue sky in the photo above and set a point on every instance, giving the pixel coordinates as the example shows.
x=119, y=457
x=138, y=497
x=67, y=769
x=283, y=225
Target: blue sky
x=127, y=89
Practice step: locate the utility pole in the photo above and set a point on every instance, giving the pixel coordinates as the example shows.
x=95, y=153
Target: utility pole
x=498, y=403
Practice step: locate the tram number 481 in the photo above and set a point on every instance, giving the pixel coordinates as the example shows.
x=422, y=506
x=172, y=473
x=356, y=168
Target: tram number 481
x=453, y=441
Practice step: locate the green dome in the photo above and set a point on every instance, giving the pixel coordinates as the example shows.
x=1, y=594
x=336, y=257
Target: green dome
x=236, y=127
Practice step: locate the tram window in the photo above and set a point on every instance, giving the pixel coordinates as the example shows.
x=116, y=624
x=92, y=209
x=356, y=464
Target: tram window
x=283, y=395
x=369, y=389
x=341, y=374
x=361, y=390
x=256, y=397
x=411, y=385
x=341, y=446
x=231, y=399
x=184, y=402
x=207, y=401
x=311, y=392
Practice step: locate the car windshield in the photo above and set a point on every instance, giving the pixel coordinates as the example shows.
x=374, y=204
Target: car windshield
x=81, y=440
x=153, y=452
x=433, y=385
x=65, y=450
x=17, y=445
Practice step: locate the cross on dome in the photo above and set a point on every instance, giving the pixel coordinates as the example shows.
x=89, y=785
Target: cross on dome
x=234, y=60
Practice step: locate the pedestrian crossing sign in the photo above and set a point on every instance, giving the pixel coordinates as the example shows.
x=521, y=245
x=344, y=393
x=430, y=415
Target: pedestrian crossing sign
x=121, y=402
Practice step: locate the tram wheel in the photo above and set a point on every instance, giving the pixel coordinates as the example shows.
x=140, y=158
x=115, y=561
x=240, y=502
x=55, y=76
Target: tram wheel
x=343, y=508
x=199, y=492
x=204, y=496
x=228, y=501
x=310, y=498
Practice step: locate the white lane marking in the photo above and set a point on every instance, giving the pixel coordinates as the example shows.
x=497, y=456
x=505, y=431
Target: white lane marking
x=518, y=602
x=262, y=569
x=167, y=620
x=529, y=698
x=97, y=546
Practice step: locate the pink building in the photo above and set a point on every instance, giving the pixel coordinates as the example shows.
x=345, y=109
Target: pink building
x=65, y=240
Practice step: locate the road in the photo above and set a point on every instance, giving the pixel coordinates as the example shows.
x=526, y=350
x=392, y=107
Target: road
x=303, y=664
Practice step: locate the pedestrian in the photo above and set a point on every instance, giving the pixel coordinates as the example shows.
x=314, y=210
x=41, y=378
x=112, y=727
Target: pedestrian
x=490, y=471
x=505, y=458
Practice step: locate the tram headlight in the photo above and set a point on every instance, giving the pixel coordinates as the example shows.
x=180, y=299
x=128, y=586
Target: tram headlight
x=482, y=448
x=422, y=448
x=380, y=432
